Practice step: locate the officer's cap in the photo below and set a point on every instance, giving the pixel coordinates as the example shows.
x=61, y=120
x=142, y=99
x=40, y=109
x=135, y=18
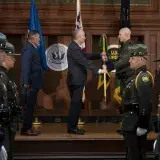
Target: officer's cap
x=9, y=49
x=113, y=46
x=112, y=52
x=3, y=36
x=3, y=40
x=6, y=46
x=138, y=50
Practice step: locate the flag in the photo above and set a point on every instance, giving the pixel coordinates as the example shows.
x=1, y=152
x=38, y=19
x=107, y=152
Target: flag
x=34, y=24
x=79, y=20
x=103, y=47
x=116, y=93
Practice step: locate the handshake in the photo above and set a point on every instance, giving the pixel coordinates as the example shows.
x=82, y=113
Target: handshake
x=104, y=67
x=103, y=70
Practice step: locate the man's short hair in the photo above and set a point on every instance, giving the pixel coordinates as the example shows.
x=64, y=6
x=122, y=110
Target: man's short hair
x=32, y=33
x=75, y=33
x=126, y=30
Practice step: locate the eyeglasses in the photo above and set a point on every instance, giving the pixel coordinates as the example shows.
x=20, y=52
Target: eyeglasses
x=144, y=57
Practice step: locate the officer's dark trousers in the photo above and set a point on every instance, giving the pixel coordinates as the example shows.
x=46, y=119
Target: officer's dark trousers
x=75, y=105
x=30, y=103
x=9, y=141
x=135, y=145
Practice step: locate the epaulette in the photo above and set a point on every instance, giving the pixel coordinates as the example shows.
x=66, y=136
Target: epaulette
x=144, y=79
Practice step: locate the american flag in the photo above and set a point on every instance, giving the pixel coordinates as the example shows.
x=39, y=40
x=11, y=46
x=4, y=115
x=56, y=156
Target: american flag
x=79, y=20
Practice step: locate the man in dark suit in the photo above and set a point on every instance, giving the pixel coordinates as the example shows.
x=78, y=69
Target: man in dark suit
x=31, y=80
x=77, y=73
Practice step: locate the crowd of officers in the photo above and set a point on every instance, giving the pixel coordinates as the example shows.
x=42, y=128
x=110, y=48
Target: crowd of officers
x=136, y=85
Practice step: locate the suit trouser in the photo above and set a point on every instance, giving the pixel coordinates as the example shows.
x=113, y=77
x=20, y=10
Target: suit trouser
x=135, y=145
x=31, y=101
x=75, y=105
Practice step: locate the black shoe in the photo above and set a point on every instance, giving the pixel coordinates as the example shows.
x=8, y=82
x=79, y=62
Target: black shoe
x=119, y=131
x=83, y=130
x=76, y=131
x=30, y=132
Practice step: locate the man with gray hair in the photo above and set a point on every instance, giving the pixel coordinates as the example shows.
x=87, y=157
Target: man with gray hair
x=77, y=73
x=31, y=80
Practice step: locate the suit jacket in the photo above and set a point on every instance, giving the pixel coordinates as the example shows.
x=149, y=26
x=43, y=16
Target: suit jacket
x=78, y=64
x=31, y=70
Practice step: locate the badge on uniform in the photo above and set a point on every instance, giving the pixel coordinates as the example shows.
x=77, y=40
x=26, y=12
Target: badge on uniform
x=145, y=79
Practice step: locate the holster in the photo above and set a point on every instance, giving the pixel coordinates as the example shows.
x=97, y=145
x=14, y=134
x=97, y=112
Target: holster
x=132, y=107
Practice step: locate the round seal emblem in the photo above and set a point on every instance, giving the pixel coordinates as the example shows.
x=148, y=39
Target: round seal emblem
x=56, y=56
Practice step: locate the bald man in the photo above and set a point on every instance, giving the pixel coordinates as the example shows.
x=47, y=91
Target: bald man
x=77, y=73
x=122, y=66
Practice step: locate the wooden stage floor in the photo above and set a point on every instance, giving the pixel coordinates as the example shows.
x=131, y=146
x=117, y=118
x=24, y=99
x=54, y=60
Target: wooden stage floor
x=57, y=131
x=100, y=140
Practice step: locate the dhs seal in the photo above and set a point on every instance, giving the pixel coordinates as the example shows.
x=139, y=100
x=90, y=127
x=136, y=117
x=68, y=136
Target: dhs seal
x=56, y=56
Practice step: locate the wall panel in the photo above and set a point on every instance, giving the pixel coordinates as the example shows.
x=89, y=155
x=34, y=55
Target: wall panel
x=58, y=21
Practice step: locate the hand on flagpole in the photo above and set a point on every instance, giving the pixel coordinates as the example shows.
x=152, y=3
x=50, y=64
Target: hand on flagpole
x=103, y=53
x=101, y=71
x=104, y=66
x=104, y=57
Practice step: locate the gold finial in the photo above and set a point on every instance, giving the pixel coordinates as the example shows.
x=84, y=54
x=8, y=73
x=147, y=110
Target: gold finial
x=36, y=121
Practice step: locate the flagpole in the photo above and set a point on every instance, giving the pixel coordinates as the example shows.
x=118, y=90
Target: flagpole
x=34, y=24
x=78, y=26
x=80, y=14
x=104, y=50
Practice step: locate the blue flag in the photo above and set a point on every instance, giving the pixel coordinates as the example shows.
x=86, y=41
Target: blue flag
x=34, y=24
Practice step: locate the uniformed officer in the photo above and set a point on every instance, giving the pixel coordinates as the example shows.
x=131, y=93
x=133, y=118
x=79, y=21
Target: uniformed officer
x=9, y=99
x=156, y=145
x=121, y=60
x=123, y=70
x=137, y=103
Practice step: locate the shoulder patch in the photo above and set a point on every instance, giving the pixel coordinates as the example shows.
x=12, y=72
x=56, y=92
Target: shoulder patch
x=144, y=77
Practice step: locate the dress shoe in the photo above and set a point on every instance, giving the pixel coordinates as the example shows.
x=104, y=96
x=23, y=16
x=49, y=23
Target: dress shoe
x=76, y=131
x=119, y=131
x=30, y=132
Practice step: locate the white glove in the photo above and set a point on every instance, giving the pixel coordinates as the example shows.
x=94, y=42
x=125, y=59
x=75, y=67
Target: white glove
x=101, y=71
x=141, y=131
x=3, y=154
